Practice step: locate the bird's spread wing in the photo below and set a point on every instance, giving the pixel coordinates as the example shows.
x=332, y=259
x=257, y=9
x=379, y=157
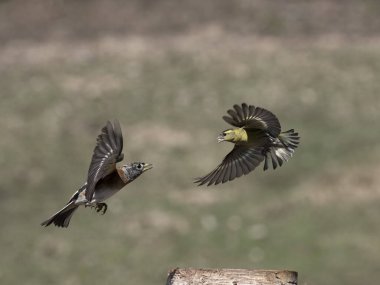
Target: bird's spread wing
x=107, y=153
x=241, y=160
x=254, y=118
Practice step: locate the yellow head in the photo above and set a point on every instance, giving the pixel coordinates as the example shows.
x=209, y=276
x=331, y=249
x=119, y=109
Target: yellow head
x=233, y=135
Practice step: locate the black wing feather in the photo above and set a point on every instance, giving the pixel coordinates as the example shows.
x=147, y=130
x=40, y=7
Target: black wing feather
x=252, y=117
x=107, y=153
x=241, y=160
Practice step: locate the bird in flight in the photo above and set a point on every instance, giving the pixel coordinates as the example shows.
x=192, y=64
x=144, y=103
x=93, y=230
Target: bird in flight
x=257, y=137
x=104, y=178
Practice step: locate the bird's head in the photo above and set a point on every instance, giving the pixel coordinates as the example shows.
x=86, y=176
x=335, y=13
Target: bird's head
x=227, y=135
x=233, y=135
x=135, y=169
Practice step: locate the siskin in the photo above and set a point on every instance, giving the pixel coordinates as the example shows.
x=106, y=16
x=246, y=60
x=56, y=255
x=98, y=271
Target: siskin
x=257, y=137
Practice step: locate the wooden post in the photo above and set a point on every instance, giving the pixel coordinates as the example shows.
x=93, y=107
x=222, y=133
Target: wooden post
x=191, y=276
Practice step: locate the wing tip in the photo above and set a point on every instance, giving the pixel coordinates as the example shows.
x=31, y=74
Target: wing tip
x=199, y=182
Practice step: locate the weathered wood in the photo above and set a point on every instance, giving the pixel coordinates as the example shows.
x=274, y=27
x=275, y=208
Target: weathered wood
x=191, y=276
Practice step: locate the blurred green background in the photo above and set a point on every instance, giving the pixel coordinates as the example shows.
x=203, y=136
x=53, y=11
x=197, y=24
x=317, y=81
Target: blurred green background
x=168, y=70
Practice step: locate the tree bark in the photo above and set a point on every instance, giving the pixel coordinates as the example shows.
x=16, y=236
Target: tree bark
x=191, y=276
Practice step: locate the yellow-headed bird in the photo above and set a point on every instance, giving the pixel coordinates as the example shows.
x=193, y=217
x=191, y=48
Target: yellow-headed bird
x=257, y=137
x=104, y=179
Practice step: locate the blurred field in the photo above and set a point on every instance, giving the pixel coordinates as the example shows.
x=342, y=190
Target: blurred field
x=169, y=88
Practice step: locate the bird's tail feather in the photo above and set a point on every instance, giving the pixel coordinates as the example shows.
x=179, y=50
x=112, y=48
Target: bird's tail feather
x=62, y=217
x=282, y=149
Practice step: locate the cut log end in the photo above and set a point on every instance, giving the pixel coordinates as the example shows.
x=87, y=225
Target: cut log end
x=192, y=276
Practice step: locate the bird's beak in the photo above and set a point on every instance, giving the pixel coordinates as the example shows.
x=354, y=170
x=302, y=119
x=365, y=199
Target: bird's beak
x=147, y=166
x=220, y=138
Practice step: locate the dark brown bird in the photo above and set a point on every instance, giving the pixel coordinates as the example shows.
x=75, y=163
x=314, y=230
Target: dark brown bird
x=257, y=137
x=104, y=178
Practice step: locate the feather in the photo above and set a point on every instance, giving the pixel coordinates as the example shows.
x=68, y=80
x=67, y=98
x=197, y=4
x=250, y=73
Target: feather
x=107, y=152
x=241, y=160
x=252, y=117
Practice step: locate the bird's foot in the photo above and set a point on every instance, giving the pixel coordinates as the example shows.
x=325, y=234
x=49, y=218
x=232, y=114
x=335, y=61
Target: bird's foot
x=101, y=207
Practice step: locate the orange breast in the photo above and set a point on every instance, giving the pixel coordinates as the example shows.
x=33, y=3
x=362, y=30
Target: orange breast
x=122, y=175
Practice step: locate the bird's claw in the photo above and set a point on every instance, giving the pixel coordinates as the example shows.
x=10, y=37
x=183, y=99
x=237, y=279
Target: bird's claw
x=100, y=207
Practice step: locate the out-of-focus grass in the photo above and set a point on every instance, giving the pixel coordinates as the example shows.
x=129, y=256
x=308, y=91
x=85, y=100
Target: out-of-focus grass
x=318, y=214
x=43, y=19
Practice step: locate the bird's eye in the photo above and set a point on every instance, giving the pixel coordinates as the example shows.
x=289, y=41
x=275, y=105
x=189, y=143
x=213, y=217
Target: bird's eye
x=139, y=166
x=224, y=133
